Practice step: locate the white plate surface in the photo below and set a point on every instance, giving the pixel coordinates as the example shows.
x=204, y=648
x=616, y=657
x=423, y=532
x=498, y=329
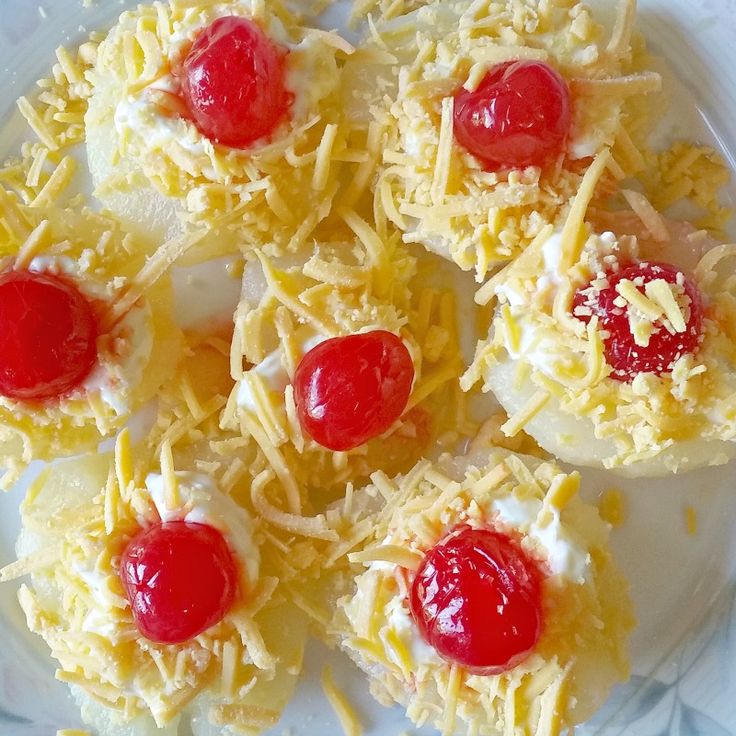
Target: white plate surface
x=684, y=587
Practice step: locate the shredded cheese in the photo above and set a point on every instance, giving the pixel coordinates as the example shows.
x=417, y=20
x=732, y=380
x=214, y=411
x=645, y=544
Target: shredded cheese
x=643, y=304
x=444, y=153
x=691, y=520
x=660, y=292
x=573, y=231
x=37, y=124
x=340, y=704
x=516, y=423
x=172, y=498
x=652, y=220
x=155, y=268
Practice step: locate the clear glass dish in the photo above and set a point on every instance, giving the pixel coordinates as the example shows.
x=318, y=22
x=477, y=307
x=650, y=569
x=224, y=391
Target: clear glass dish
x=684, y=587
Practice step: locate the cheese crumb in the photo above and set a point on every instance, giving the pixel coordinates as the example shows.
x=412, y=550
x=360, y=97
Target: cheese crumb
x=691, y=520
x=612, y=507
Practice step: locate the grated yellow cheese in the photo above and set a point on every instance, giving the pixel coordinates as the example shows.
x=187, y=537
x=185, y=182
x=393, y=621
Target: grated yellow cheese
x=315, y=527
x=278, y=205
x=366, y=169
x=266, y=409
x=573, y=231
x=154, y=269
x=190, y=397
x=451, y=702
x=320, y=177
x=38, y=126
x=112, y=496
x=691, y=520
x=553, y=709
x=37, y=240
x=527, y=260
x=15, y=222
x=651, y=310
x=512, y=328
x=245, y=717
x=620, y=40
x=372, y=243
x=345, y=713
x=252, y=427
x=660, y=292
x=406, y=661
x=612, y=507
x=533, y=406
x=35, y=169
x=283, y=288
x=388, y=553
x=652, y=220
x=488, y=482
x=562, y=490
x=443, y=162
x=633, y=84
x=39, y=560
x=172, y=497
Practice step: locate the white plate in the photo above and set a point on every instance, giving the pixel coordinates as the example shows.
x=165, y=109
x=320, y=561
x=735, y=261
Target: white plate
x=684, y=587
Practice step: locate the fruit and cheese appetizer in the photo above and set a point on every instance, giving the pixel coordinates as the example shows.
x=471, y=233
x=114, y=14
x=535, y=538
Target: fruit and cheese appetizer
x=490, y=602
x=86, y=330
x=347, y=360
x=492, y=118
x=154, y=591
x=220, y=114
x=617, y=351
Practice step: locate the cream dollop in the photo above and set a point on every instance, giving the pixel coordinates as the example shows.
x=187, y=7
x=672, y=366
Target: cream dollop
x=112, y=377
x=202, y=502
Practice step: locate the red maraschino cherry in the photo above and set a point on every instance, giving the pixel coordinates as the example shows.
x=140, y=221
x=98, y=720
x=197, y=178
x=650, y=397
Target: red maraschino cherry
x=180, y=578
x=48, y=336
x=351, y=389
x=622, y=353
x=518, y=116
x=477, y=600
x=234, y=83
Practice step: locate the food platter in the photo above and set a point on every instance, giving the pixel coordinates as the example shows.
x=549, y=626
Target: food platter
x=683, y=585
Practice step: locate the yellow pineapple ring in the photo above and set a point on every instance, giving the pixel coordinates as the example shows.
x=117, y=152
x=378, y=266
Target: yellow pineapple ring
x=77, y=519
x=333, y=289
x=549, y=370
x=587, y=618
x=403, y=80
x=139, y=343
x=159, y=174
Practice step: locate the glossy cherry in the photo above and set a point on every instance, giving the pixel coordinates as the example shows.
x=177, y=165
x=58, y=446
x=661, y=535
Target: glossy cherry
x=477, y=600
x=518, y=116
x=351, y=389
x=622, y=353
x=48, y=336
x=234, y=82
x=180, y=578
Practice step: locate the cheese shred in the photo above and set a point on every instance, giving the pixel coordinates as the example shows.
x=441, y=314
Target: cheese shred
x=343, y=709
